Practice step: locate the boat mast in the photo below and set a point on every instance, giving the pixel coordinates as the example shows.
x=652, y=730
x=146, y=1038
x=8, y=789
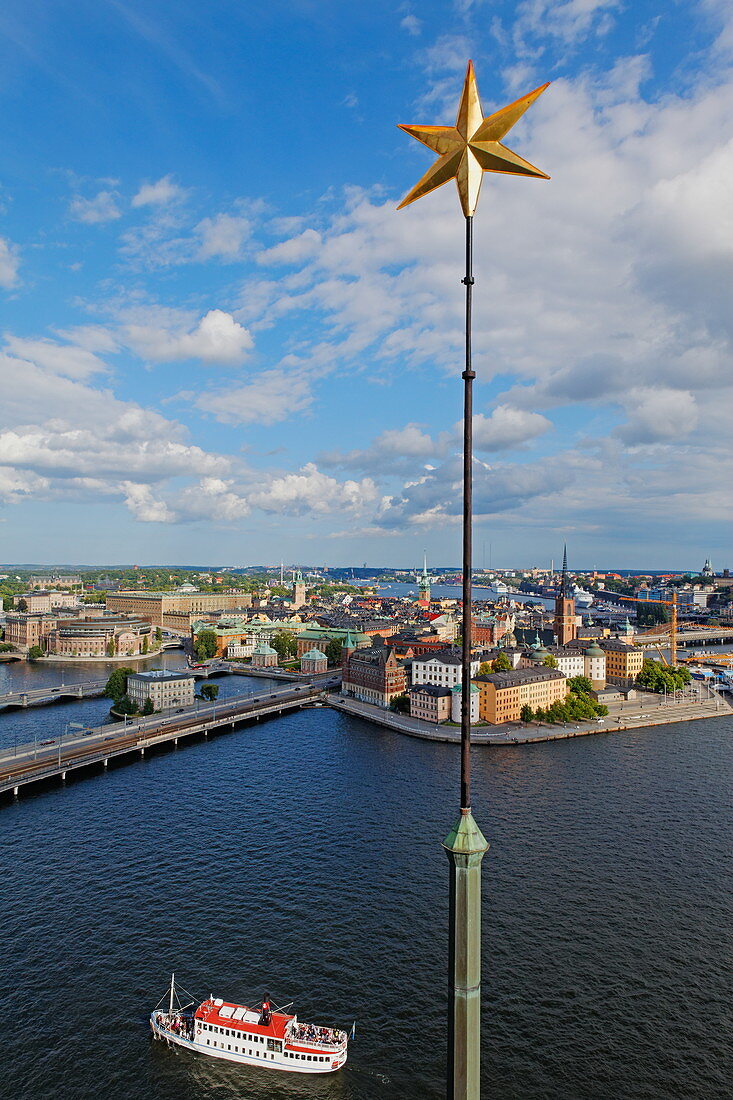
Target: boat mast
x=170, y=1010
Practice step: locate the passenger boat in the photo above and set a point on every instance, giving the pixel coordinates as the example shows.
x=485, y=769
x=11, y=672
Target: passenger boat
x=264, y=1036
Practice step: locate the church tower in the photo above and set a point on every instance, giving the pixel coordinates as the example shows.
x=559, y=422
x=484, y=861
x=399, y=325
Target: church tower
x=565, y=626
x=298, y=598
x=423, y=584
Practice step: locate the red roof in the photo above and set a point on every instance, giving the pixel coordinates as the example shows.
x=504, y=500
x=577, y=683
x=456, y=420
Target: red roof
x=212, y=1014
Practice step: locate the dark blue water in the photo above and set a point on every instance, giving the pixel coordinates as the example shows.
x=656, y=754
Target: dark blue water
x=302, y=856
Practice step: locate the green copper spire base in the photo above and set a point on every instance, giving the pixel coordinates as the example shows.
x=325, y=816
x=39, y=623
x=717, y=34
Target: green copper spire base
x=465, y=846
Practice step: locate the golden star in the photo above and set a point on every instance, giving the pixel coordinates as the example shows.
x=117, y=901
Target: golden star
x=471, y=147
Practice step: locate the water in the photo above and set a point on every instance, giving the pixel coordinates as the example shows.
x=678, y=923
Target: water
x=22, y=726
x=455, y=592
x=302, y=856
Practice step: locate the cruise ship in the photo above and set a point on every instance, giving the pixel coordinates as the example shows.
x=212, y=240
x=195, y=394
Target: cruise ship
x=264, y=1036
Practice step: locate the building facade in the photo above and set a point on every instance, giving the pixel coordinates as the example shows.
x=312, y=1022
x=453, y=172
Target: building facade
x=443, y=668
x=623, y=662
x=313, y=661
x=503, y=694
x=164, y=689
x=430, y=702
x=373, y=675
x=155, y=606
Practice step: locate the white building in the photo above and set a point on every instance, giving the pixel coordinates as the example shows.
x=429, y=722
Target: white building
x=240, y=649
x=442, y=668
x=164, y=689
x=456, y=702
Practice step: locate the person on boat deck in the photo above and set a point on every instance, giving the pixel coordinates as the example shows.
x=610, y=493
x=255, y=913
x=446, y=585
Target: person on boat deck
x=265, y=1014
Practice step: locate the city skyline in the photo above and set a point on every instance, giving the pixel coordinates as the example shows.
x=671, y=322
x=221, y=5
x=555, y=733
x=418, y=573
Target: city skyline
x=221, y=343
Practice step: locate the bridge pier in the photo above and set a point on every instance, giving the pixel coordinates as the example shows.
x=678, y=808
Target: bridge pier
x=105, y=762
x=142, y=753
x=63, y=777
x=15, y=791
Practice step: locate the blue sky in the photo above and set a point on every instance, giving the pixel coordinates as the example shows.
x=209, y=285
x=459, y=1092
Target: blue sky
x=221, y=342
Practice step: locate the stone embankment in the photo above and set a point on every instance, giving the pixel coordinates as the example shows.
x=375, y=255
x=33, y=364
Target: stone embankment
x=648, y=712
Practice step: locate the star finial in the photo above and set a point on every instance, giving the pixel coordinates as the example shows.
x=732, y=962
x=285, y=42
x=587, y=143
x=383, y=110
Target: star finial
x=471, y=147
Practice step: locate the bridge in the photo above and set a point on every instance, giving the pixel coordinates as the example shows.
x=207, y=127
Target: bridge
x=55, y=758
x=711, y=634
x=44, y=695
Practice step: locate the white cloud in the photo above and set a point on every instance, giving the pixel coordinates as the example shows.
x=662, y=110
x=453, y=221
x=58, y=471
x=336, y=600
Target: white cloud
x=9, y=262
x=268, y=398
x=67, y=359
x=144, y=506
x=658, y=415
x=506, y=428
x=292, y=251
x=223, y=236
x=95, y=211
x=158, y=194
x=311, y=492
x=411, y=24
x=217, y=338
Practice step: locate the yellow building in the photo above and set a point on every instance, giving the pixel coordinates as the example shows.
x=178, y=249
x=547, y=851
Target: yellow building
x=503, y=694
x=623, y=662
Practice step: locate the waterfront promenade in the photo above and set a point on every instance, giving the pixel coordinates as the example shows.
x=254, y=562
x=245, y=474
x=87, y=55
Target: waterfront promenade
x=646, y=711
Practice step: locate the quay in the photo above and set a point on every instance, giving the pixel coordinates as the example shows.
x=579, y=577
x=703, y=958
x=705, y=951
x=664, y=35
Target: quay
x=645, y=712
x=33, y=763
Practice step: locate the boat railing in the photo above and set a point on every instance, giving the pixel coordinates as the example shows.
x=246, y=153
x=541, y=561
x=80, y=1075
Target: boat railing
x=294, y=1035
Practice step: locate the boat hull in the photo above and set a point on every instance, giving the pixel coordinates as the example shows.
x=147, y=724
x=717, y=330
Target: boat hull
x=287, y=1064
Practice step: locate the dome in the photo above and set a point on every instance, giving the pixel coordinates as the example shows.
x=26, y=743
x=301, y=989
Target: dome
x=264, y=650
x=458, y=689
x=594, y=650
x=313, y=655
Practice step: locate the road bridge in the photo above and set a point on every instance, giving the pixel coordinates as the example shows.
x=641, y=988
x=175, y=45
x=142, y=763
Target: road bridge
x=706, y=634
x=41, y=696
x=54, y=758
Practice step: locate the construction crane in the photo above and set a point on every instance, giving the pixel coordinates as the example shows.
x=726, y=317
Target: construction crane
x=672, y=625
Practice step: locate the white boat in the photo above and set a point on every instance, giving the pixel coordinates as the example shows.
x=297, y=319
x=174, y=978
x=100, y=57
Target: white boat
x=582, y=598
x=266, y=1037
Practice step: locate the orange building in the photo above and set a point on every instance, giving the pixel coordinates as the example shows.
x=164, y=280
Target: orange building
x=503, y=694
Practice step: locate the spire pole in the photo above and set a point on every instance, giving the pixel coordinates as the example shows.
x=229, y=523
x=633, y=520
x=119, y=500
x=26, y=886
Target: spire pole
x=465, y=845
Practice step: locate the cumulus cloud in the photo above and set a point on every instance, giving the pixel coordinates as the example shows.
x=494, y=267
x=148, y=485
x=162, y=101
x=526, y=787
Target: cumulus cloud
x=70, y=360
x=9, y=262
x=310, y=492
x=506, y=428
x=658, y=415
x=216, y=339
x=143, y=504
x=97, y=210
x=158, y=194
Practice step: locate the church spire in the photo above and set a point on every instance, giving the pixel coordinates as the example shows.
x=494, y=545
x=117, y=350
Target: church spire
x=564, y=578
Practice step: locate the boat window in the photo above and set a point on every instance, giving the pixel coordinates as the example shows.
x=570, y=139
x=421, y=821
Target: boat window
x=274, y=1044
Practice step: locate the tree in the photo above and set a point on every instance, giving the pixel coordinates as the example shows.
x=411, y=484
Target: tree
x=549, y=662
x=649, y=613
x=145, y=645
x=485, y=668
x=333, y=652
x=147, y=707
x=125, y=705
x=501, y=663
x=580, y=685
x=657, y=677
x=34, y=653
x=400, y=704
x=22, y=605
x=111, y=648
x=526, y=713
x=117, y=684
x=206, y=644
x=210, y=692
x=286, y=645
x=158, y=634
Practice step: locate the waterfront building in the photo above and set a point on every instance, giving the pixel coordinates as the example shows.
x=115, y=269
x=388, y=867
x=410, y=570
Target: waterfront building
x=595, y=665
x=373, y=675
x=623, y=661
x=313, y=661
x=503, y=694
x=565, y=621
x=155, y=606
x=107, y=636
x=442, y=668
x=164, y=689
x=456, y=702
x=238, y=650
x=24, y=630
x=430, y=702
x=264, y=656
